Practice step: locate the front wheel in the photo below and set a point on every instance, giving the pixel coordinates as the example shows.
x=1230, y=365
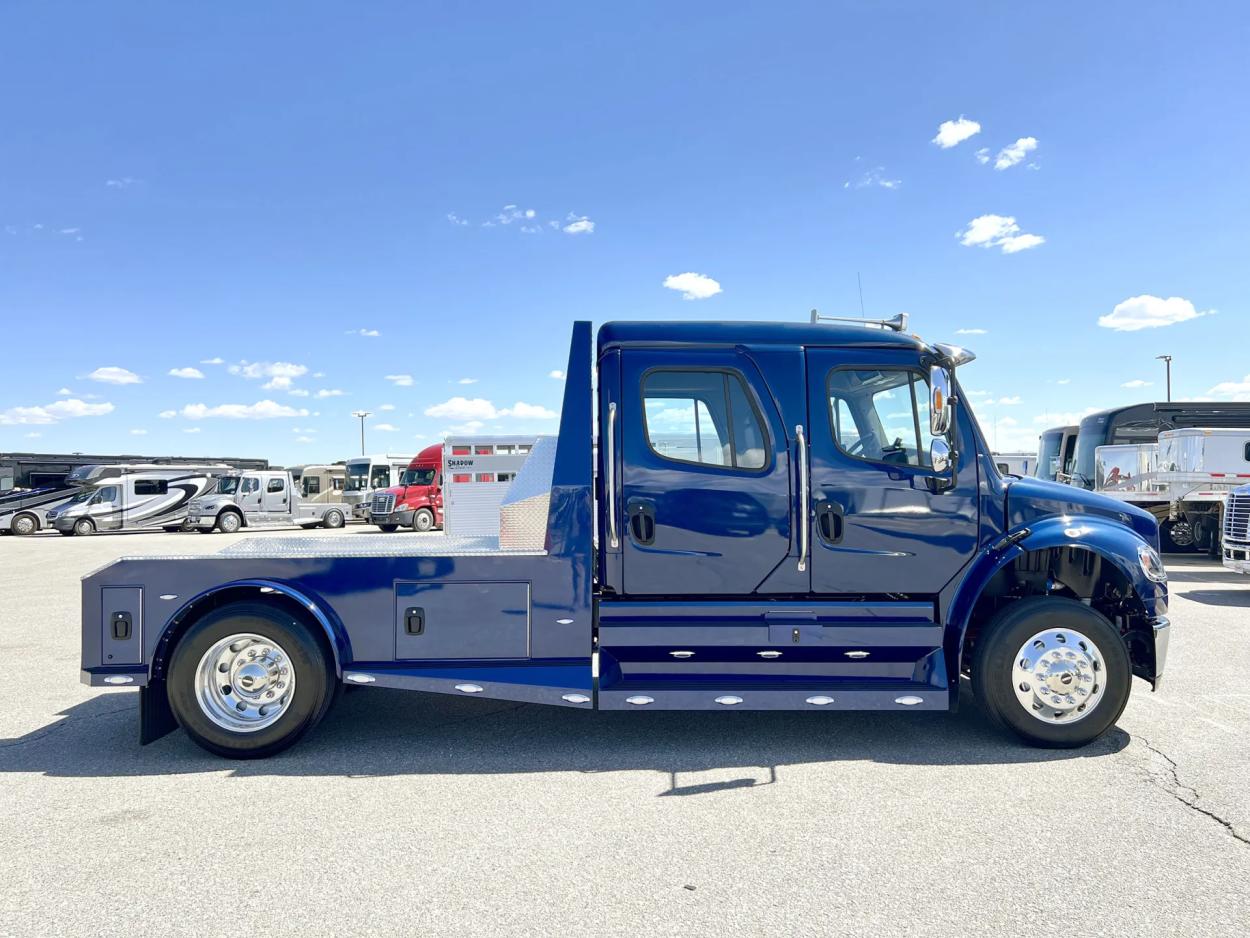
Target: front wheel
x=229, y=522
x=1052, y=670
x=388, y=528
x=247, y=682
x=84, y=527
x=423, y=520
x=333, y=519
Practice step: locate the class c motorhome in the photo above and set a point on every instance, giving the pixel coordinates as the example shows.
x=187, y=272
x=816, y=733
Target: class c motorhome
x=130, y=498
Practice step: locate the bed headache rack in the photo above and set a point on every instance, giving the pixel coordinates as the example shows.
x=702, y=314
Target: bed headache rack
x=894, y=323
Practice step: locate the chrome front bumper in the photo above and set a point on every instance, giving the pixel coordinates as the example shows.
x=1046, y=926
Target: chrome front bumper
x=1162, y=627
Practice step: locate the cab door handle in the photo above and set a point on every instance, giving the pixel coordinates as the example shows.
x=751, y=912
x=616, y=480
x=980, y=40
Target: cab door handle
x=641, y=514
x=830, y=520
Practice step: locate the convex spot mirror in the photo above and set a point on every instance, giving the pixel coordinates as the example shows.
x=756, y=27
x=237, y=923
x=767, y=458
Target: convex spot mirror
x=939, y=400
x=939, y=455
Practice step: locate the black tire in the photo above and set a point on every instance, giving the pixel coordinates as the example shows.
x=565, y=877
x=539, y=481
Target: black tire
x=389, y=528
x=333, y=519
x=171, y=528
x=24, y=524
x=1178, y=544
x=423, y=520
x=84, y=527
x=229, y=522
x=207, y=530
x=995, y=656
x=315, y=685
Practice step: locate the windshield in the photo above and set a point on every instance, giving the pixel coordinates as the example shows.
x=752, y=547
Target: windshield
x=83, y=496
x=1048, y=454
x=357, y=476
x=418, y=477
x=227, y=485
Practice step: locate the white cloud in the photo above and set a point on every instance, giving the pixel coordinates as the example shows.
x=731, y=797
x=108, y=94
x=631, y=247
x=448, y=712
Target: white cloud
x=1149, y=312
x=186, y=373
x=1064, y=381
x=1239, y=390
x=190, y=429
x=299, y=392
x=304, y=439
x=167, y=414
x=528, y=411
x=578, y=224
x=385, y=427
x=463, y=408
x=997, y=231
x=261, y=410
x=971, y=331
x=1137, y=383
x=280, y=374
x=367, y=333
x=470, y=426
x=557, y=374
x=1009, y=401
x=33, y=435
x=467, y=381
x=64, y=392
x=400, y=381
x=212, y=361
x=1010, y=155
x=983, y=155
x=124, y=182
x=330, y=392
x=953, y=133
x=456, y=219
x=874, y=177
x=318, y=374
x=138, y=432
x=64, y=409
x=387, y=407
x=111, y=374
x=692, y=286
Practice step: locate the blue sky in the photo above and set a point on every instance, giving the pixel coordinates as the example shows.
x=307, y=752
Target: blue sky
x=270, y=185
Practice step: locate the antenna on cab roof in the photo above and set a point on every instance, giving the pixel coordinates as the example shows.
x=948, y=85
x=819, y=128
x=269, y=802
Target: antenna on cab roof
x=894, y=323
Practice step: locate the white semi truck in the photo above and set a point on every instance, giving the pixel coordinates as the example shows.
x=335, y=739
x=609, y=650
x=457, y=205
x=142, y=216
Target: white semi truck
x=1237, y=530
x=259, y=500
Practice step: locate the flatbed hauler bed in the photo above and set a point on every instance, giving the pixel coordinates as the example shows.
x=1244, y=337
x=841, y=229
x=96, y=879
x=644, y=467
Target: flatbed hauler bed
x=771, y=534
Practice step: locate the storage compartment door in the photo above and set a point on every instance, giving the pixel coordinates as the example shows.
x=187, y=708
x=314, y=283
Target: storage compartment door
x=458, y=620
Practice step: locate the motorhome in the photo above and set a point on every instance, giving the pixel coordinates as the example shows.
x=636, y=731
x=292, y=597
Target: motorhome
x=32, y=484
x=1016, y=464
x=832, y=535
x=367, y=474
x=1056, y=448
x=131, y=498
x=321, y=483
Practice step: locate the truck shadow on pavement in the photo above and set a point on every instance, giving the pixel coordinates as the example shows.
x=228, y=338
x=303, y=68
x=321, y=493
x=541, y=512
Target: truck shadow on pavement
x=379, y=732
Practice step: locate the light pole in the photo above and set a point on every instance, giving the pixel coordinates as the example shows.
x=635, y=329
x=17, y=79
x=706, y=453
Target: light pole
x=362, y=414
x=1167, y=360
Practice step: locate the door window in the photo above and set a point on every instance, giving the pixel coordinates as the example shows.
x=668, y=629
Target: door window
x=380, y=477
x=276, y=485
x=312, y=485
x=107, y=495
x=881, y=415
x=703, y=417
x=250, y=485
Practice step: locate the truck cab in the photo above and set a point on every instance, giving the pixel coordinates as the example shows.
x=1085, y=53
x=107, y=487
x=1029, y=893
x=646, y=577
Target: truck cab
x=417, y=501
x=776, y=516
x=1056, y=449
x=1236, y=534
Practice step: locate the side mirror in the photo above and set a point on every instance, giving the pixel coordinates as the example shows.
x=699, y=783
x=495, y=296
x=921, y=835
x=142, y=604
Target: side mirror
x=939, y=401
x=939, y=455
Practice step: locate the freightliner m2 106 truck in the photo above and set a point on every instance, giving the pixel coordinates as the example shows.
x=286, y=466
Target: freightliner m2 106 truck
x=784, y=516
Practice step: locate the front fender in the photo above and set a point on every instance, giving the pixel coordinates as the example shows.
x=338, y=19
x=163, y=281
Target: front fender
x=1114, y=542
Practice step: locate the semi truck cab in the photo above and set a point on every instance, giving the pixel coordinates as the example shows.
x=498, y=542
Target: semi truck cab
x=799, y=516
x=417, y=501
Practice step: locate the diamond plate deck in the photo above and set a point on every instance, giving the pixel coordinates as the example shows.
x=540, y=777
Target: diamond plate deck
x=372, y=545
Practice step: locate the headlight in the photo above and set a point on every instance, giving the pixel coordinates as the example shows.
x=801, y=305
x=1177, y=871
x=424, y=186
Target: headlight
x=1151, y=564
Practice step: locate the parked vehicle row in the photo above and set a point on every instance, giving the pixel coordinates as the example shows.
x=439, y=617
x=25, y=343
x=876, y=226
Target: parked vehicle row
x=777, y=516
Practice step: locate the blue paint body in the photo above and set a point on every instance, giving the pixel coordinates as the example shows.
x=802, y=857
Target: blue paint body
x=702, y=594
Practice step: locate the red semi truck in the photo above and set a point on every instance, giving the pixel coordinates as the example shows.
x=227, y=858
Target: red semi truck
x=417, y=502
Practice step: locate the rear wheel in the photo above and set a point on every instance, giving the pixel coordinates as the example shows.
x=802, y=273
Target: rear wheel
x=24, y=524
x=1052, y=670
x=332, y=519
x=423, y=520
x=1176, y=537
x=247, y=681
x=84, y=527
x=228, y=522
x=389, y=528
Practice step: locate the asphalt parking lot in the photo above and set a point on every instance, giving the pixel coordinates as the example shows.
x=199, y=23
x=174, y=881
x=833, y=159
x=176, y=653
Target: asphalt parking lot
x=405, y=813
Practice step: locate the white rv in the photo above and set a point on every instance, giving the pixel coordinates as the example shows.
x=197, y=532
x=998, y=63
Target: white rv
x=367, y=473
x=1016, y=464
x=477, y=472
x=130, y=498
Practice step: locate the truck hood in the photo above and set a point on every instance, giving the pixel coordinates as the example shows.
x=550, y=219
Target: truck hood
x=1030, y=499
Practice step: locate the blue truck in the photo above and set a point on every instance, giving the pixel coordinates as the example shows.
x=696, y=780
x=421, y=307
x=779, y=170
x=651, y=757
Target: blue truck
x=774, y=516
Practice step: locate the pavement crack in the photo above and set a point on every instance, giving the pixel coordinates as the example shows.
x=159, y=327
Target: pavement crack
x=1186, y=794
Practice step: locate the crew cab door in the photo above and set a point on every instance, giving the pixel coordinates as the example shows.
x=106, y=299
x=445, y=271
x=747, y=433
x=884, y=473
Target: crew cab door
x=277, y=496
x=882, y=520
x=705, y=497
x=251, y=498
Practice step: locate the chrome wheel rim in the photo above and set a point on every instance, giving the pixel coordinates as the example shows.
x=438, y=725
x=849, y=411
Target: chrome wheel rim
x=245, y=682
x=23, y=525
x=1059, y=676
x=229, y=522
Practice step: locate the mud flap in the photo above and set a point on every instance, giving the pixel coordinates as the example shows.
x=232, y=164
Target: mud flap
x=156, y=718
